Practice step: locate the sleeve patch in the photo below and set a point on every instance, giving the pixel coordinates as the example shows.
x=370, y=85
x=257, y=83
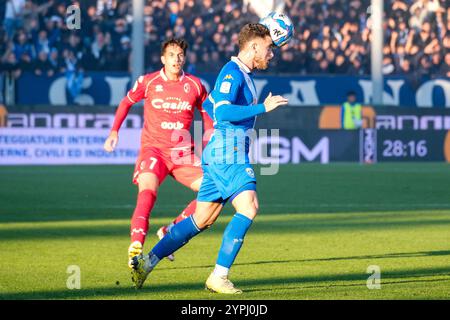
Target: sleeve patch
x=225, y=87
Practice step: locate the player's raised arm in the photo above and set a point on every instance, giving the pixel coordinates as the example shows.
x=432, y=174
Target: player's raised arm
x=224, y=110
x=232, y=112
x=133, y=96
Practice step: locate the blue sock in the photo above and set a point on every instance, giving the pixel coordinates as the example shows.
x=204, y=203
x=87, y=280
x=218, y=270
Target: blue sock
x=177, y=237
x=233, y=237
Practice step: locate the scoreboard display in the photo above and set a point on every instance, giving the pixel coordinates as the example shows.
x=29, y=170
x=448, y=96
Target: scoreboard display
x=413, y=145
x=404, y=145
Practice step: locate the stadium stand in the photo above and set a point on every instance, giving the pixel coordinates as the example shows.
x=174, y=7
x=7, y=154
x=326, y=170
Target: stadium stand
x=34, y=37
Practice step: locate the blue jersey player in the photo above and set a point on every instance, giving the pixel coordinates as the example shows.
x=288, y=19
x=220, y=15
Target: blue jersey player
x=227, y=173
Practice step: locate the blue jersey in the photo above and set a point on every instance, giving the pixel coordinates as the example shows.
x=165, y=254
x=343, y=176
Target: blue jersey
x=232, y=106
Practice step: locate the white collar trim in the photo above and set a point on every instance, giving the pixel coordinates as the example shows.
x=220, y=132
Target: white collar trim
x=241, y=64
x=163, y=75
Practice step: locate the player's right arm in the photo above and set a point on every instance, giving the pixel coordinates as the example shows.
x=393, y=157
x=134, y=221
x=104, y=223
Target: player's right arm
x=134, y=95
x=225, y=96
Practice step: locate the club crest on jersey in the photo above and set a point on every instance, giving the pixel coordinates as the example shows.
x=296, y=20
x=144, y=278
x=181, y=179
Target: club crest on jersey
x=187, y=87
x=159, y=88
x=250, y=172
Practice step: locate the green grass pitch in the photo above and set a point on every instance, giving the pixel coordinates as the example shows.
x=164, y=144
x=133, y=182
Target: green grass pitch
x=318, y=230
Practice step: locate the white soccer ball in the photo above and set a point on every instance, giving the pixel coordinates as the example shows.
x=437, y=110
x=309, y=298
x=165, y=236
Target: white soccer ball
x=280, y=27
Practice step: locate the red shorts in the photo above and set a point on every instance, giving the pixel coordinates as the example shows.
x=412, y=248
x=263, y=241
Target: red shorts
x=183, y=166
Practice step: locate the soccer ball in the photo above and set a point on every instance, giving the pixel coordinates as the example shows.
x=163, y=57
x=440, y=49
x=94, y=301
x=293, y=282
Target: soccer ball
x=280, y=27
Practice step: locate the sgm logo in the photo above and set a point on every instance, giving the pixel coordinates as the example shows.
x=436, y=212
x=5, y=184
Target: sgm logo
x=169, y=105
x=172, y=125
x=289, y=150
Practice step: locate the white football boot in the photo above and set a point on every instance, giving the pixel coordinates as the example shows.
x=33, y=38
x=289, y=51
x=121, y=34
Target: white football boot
x=221, y=285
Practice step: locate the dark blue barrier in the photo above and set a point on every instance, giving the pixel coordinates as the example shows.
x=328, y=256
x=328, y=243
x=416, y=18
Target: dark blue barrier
x=110, y=88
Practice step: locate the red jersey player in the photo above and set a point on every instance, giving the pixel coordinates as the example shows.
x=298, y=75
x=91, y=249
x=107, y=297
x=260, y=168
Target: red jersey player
x=170, y=97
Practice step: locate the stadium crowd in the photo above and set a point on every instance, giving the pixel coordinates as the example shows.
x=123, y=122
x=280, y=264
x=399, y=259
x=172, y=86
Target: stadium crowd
x=332, y=36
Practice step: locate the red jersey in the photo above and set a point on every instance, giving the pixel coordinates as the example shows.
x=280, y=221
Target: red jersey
x=168, y=109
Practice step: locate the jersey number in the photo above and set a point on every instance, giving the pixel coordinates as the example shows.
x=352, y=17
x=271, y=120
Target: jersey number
x=153, y=160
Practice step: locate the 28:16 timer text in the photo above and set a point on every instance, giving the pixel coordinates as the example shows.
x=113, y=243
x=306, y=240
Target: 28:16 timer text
x=398, y=148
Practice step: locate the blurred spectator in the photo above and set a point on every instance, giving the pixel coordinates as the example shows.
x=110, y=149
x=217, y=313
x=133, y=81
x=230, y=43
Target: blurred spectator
x=56, y=61
x=42, y=65
x=22, y=47
x=13, y=16
x=74, y=74
x=444, y=70
x=42, y=43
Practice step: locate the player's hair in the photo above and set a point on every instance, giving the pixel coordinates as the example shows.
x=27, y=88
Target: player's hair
x=176, y=42
x=251, y=31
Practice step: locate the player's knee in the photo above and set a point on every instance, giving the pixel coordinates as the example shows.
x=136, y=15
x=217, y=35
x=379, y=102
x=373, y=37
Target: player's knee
x=195, y=186
x=144, y=187
x=148, y=182
x=248, y=207
x=249, y=211
x=256, y=204
x=204, y=222
x=205, y=219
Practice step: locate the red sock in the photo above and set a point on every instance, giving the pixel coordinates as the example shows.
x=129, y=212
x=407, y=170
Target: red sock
x=188, y=211
x=139, y=222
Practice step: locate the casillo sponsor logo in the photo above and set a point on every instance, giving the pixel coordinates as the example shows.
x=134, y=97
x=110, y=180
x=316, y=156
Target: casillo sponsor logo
x=172, y=125
x=169, y=105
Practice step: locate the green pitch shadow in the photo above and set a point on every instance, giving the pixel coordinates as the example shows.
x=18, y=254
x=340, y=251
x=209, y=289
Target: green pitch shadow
x=249, y=286
x=294, y=223
x=363, y=257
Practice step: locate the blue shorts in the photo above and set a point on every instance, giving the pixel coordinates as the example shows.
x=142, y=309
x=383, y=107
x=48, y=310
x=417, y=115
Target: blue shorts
x=223, y=182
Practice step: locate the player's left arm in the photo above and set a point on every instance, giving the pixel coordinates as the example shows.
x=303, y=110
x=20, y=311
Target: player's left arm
x=224, y=99
x=134, y=95
x=231, y=112
x=225, y=95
